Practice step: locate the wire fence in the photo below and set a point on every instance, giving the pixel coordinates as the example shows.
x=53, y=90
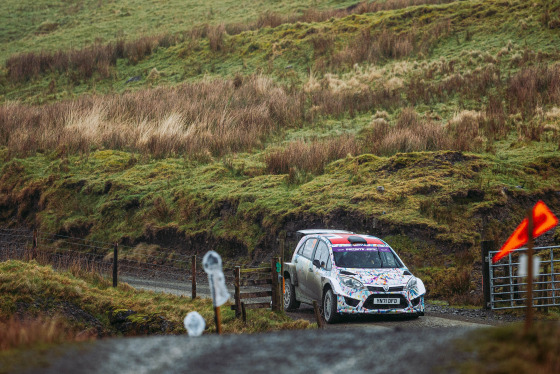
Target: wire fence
x=147, y=266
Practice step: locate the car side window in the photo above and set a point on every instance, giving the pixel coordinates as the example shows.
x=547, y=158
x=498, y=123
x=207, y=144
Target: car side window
x=308, y=248
x=389, y=260
x=300, y=249
x=322, y=254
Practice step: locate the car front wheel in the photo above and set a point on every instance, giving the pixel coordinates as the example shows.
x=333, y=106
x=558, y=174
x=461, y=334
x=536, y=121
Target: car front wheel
x=329, y=307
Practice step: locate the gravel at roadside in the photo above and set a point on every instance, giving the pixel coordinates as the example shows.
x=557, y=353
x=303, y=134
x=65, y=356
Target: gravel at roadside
x=479, y=315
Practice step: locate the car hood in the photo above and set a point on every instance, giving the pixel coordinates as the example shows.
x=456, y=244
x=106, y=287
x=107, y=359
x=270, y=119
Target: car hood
x=379, y=277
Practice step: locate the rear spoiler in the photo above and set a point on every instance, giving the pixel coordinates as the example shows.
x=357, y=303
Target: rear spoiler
x=323, y=231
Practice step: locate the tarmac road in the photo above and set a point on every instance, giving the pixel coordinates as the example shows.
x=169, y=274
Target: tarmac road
x=357, y=350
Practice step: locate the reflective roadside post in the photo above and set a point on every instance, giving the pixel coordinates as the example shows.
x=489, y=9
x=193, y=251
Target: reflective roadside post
x=212, y=264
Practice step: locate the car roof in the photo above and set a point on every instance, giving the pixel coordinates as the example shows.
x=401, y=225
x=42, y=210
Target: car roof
x=349, y=238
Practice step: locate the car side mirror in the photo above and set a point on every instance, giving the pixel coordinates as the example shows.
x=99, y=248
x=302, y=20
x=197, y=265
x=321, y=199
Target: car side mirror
x=317, y=263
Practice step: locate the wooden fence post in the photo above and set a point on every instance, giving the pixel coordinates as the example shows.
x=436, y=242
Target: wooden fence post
x=243, y=313
x=237, y=273
x=279, y=293
x=318, y=315
x=274, y=287
x=193, y=277
x=217, y=319
x=115, y=264
x=34, y=245
x=282, y=280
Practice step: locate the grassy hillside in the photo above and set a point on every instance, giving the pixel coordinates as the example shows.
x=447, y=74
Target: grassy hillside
x=50, y=25
x=321, y=44
x=433, y=124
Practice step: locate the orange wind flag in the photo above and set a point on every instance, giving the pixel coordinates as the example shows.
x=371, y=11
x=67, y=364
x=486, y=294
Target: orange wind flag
x=543, y=220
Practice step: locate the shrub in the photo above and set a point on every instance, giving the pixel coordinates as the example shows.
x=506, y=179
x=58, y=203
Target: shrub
x=216, y=37
x=446, y=283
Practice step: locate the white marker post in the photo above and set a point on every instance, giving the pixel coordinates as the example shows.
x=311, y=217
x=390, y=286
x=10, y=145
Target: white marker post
x=522, y=270
x=194, y=323
x=212, y=264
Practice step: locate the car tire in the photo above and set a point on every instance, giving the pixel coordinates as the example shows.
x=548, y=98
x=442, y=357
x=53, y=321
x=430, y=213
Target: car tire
x=290, y=302
x=329, y=307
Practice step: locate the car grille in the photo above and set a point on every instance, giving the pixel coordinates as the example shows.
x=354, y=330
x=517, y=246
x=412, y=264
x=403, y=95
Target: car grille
x=391, y=289
x=368, y=304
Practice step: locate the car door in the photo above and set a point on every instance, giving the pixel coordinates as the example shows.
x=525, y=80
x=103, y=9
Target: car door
x=316, y=273
x=303, y=263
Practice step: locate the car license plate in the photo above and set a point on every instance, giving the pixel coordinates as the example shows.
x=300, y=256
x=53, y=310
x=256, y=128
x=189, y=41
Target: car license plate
x=386, y=301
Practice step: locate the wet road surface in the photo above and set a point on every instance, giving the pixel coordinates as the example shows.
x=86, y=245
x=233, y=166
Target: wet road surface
x=370, y=349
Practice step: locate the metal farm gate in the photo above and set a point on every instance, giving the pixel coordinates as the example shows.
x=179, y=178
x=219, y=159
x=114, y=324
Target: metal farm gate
x=505, y=289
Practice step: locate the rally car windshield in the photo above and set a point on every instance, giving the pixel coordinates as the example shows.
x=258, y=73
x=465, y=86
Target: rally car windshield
x=365, y=257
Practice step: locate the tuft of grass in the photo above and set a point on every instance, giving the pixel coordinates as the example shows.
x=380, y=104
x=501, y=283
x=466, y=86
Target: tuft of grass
x=507, y=349
x=17, y=333
x=81, y=64
x=310, y=156
x=533, y=86
x=409, y=134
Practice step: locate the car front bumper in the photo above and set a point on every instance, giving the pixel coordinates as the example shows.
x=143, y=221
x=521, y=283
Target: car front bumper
x=362, y=303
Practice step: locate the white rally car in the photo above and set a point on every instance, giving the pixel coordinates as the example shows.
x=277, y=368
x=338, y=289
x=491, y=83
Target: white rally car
x=348, y=274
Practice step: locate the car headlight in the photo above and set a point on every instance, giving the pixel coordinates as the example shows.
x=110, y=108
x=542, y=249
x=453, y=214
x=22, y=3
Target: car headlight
x=412, y=283
x=351, y=282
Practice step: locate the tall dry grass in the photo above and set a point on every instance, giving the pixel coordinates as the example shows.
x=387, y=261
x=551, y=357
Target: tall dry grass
x=208, y=117
x=310, y=156
x=216, y=37
x=465, y=131
x=409, y=134
x=386, y=44
x=533, y=86
x=26, y=332
x=85, y=61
